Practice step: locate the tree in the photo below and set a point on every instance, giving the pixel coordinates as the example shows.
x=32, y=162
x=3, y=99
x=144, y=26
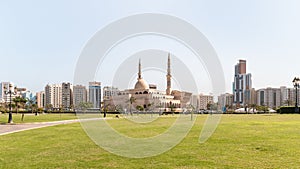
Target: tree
x=49, y=107
x=288, y=102
x=119, y=108
x=172, y=106
x=105, y=109
x=32, y=105
x=131, y=101
x=150, y=106
x=209, y=106
x=19, y=101
x=253, y=106
x=262, y=108
x=40, y=110
x=2, y=109
x=139, y=107
x=83, y=106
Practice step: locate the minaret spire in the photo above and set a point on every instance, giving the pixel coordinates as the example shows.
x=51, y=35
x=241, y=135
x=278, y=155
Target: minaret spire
x=140, y=70
x=168, y=91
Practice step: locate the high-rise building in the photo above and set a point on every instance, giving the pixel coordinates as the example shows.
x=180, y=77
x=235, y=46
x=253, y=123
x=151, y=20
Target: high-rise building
x=292, y=96
x=95, y=94
x=66, y=96
x=53, y=96
x=205, y=100
x=284, y=97
x=40, y=99
x=253, y=97
x=79, y=95
x=242, y=85
x=225, y=100
x=270, y=97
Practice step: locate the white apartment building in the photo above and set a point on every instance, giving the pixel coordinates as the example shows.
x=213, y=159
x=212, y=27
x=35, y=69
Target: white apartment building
x=53, y=95
x=270, y=97
x=5, y=86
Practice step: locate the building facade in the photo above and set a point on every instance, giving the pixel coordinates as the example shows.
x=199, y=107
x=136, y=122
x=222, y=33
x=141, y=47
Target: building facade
x=225, y=101
x=67, y=96
x=5, y=86
x=109, y=91
x=270, y=97
x=148, y=98
x=40, y=99
x=205, y=101
x=242, y=85
x=95, y=94
x=53, y=96
x=79, y=95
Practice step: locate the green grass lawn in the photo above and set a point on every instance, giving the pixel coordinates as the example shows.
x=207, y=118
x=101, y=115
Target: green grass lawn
x=29, y=118
x=240, y=141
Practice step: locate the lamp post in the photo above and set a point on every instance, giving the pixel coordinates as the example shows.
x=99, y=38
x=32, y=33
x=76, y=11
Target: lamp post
x=296, y=82
x=10, y=92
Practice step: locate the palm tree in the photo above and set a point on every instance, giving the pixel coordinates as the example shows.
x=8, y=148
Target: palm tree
x=32, y=105
x=131, y=101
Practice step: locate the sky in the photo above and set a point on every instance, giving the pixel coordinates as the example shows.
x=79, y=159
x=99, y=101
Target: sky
x=41, y=41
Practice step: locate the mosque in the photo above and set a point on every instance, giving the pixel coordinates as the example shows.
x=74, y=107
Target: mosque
x=146, y=97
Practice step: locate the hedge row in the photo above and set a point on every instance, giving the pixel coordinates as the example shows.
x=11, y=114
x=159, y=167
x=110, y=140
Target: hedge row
x=287, y=110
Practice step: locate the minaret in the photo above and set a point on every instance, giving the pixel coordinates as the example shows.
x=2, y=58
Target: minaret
x=168, y=91
x=140, y=70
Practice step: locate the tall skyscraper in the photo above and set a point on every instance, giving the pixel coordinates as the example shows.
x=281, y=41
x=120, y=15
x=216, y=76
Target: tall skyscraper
x=242, y=85
x=53, y=95
x=95, y=94
x=66, y=95
x=169, y=76
x=79, y=95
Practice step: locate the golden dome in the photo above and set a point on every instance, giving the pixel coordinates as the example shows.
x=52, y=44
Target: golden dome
x=141, y=84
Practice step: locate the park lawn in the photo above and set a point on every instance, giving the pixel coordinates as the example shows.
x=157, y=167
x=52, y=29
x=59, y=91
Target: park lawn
x=30, y=118
x=240, y=141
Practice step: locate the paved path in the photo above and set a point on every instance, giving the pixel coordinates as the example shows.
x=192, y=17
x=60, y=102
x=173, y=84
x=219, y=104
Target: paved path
x=13, y=128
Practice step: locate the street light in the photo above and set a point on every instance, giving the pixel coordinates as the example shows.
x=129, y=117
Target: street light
x=10, y=92
x=296, y=82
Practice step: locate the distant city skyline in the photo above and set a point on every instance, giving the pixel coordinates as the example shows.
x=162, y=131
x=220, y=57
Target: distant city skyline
x=41, y=41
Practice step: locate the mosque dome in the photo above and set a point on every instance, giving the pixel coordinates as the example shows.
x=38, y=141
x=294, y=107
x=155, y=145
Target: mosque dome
x=141, y=84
